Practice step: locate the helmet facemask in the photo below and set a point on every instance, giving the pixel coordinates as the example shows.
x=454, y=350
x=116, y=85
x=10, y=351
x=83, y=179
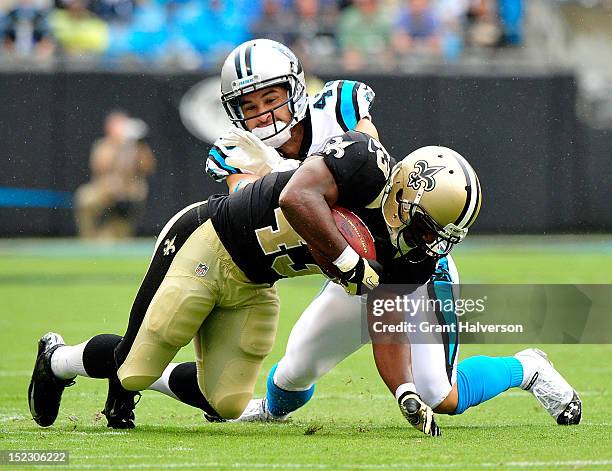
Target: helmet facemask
x=420, y=236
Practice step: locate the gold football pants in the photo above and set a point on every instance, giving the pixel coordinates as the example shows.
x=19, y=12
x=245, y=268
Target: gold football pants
x=204, y=296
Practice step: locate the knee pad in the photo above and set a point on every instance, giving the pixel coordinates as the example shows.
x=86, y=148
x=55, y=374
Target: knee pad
x=145, y=363
x=177, y=311
x=233, y=390
x=259, y=331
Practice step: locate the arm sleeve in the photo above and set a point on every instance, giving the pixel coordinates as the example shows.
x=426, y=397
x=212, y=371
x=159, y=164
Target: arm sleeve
x=216, y=167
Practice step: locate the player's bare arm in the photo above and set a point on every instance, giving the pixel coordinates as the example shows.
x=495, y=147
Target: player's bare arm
x=235, y=182
x=367, y=126
x=306, y=203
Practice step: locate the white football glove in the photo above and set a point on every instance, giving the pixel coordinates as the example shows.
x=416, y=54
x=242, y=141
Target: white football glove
x=418, y=414
x=260, y=158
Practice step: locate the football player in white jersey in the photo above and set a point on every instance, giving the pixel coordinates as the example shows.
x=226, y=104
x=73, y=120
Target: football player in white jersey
x=263, y=91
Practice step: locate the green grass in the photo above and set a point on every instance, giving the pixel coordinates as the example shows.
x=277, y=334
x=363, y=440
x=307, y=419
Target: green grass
x=352, y=422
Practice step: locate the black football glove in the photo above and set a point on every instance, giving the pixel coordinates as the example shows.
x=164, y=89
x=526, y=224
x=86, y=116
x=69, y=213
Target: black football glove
x=363, y=277
x=419, y=414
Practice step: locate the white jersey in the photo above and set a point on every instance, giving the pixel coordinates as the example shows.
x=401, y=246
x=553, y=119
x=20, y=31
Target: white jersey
x=335, y=109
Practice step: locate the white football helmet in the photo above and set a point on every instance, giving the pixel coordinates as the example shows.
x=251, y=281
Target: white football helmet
x=258, y=64
x=431, y=199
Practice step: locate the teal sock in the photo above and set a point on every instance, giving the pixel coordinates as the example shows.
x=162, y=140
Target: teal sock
x=282, y=402
x=481, y=378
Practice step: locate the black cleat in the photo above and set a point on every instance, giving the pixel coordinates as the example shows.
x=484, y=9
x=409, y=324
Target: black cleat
x=213, y=418
x=45, y=390
x=572, y=414
x=120, y=405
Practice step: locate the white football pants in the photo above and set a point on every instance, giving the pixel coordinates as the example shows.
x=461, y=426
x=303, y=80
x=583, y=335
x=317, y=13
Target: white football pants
x=330, y=329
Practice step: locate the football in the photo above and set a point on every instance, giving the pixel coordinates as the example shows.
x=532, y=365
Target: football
x=356, y=234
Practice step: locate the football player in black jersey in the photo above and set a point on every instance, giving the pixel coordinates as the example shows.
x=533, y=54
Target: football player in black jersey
x=212, y=270
x=430, y=200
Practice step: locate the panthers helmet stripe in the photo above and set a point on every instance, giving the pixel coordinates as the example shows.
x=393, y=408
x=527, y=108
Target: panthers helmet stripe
x=247, y=59
x=243, y=61
x=472, y=199
x=237, y=63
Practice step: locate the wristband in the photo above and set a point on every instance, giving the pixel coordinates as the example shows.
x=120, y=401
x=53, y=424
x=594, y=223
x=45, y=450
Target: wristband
x=347, y=260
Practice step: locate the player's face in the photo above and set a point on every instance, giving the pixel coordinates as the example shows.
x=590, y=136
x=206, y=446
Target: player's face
x=258, y=107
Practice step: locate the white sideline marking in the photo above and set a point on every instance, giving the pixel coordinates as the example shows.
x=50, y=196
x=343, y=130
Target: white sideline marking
x=519, y=464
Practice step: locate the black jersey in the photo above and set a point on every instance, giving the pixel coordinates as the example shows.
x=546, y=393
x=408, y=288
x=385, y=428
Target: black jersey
x=261, y=242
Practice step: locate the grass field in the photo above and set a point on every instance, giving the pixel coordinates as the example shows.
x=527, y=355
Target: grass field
x=352, y=422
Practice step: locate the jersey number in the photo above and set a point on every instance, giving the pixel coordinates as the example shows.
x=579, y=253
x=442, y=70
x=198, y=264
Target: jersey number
x=320, y=103
x=288, y=247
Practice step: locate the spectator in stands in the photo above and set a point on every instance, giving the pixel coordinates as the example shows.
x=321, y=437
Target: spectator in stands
x=273, y=24
x=417, y=29
x=364, y=34
x=25, y=31
x=145, y=37
x=214, y=27
x=77, y=30
x=452, y=14
x=113, y=11
x=313, y=25
x=483, y=29
x=108, y=206
x=511, y=14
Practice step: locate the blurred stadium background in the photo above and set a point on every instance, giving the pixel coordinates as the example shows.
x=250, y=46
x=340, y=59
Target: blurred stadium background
x=522, y=88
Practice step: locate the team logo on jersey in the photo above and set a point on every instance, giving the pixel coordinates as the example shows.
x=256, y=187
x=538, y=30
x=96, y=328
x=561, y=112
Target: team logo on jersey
x=423, y=175
x=201, y=269
x=169, y=247
x=336, y=146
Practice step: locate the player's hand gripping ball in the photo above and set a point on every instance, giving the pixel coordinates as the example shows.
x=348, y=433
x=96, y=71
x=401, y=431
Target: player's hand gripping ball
x=356, y=234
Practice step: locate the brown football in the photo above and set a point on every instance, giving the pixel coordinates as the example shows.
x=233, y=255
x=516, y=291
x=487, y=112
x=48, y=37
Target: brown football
x=356, y=234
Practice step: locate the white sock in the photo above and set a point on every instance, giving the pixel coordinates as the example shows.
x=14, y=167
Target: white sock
x=284, y=382
x=67, y=361
x=402, y=388
x=162, y=385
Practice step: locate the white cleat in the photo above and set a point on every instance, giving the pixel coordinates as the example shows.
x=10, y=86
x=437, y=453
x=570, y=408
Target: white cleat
x=257, y=411
x=551, y=390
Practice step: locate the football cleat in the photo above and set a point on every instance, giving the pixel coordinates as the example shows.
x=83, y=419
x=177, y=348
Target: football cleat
x=418, y=414
x=257, y=411
x=120, y=405
x=214, y=418
x=45, y=390
x=551, y=390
